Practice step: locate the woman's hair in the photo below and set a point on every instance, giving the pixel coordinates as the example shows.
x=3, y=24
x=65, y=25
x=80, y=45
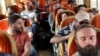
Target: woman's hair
x=67, y=12
x=93, y=10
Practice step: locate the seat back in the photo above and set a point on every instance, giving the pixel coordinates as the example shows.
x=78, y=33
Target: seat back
x=27, y=22
x=96, y=21
x=42, y=4
x=25, y=1
x=7, y=44
x=98, y=38
x=67, y=21
x=71, y=42
x=72, y=48
x=2, y=16
x=4, y=24
x=65, y=4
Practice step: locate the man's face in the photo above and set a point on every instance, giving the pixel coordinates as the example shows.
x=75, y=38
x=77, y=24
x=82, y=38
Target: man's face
x=18, y=26
x=86, y=42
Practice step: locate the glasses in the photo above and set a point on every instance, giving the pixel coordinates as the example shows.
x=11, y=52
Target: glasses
x=84, y=22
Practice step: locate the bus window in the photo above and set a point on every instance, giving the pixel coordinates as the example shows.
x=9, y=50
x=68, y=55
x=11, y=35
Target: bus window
x=79, y=2
x=95, y=4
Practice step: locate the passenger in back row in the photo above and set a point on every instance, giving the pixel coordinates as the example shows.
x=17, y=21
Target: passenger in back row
x=86, y=41
x=30, y=13
x=81, y=17
x=51, y=16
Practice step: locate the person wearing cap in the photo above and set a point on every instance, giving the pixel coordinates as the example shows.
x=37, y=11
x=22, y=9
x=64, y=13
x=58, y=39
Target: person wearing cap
x=67, y=31
x=81, y=17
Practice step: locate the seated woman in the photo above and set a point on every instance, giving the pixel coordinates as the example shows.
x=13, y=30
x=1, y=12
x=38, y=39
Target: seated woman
x=62, y=15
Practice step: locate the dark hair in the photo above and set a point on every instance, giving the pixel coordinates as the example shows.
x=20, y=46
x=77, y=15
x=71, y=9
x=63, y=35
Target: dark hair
x=67, y=12
x=79, y=6
x=71, y=1
x=13, y=9
x=13, y=18
x=84, y=26
x=93, y=10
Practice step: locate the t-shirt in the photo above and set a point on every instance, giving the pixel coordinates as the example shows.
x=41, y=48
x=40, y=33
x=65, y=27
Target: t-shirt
x=20, y=40
x=27, y=14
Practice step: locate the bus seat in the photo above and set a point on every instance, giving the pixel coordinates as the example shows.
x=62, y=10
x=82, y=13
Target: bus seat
x=7, y=44
x=67, y=21
x=2, y=16
x=15, y=9
x=42, y=4
x=21, y=6
x=65, y=4
x=4, y=24
x=63, y=24
x=72, y=48
x=96, y=21
x=25, y=1
x=43, y=16
x=98, y=38
x=27, y=22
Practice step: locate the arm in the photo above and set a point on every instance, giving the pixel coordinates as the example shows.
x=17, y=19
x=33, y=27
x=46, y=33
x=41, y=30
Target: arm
x=57, y=39
x=27, y=45
x=30, y=35
x=27, y=48
x=35, y=18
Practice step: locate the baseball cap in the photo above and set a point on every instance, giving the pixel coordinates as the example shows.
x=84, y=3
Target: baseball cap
x=82, y=15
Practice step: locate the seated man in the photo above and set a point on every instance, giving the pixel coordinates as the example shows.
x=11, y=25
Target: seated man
x=86, y=41
x=15, y=28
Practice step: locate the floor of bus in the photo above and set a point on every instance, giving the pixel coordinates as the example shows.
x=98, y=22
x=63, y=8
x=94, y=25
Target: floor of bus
x=44, y=50
x=44, y=53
